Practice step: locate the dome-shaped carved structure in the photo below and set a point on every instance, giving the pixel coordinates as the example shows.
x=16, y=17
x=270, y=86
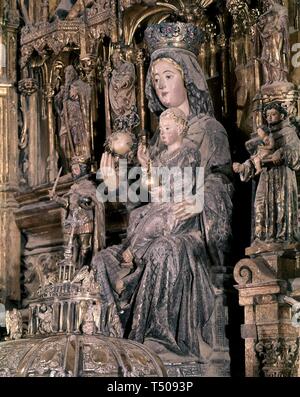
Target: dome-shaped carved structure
x=77, y=356
x=64, y=336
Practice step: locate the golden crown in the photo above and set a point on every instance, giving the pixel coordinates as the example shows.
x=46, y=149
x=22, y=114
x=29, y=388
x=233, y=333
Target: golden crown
x=174, y=35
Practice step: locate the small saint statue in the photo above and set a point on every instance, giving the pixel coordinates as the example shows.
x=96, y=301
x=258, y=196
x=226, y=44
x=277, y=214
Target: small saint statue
x=73, y=105
x=14, y=324
x=83, y=217
x=276, y=199
x=272, y=32
x=122, y=93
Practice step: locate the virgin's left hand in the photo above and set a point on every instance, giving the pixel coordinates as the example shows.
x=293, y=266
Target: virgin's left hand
x=127, y=255
x=143, y=155
x=186, y=209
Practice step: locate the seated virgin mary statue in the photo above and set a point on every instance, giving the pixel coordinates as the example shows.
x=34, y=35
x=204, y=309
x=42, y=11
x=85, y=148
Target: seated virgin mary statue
x=168, y=298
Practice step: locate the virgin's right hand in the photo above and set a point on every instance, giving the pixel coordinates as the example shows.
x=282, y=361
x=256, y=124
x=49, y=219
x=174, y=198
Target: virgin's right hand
x=107, y=165
x=108, y=170
x=143, y=155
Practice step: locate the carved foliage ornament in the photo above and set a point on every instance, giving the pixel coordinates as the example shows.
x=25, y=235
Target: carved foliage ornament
x=278, y=358
x=27, y=86
x=243, y=17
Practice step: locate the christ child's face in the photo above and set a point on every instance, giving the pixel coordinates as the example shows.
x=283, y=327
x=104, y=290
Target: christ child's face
x=170, y=131
x=261, y=133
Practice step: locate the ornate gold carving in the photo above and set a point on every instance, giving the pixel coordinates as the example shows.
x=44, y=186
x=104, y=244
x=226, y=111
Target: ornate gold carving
x=57, y=35
x=243, y=16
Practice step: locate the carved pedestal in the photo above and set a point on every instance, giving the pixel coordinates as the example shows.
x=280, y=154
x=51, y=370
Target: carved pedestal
x=264, y=282
x=39, y=219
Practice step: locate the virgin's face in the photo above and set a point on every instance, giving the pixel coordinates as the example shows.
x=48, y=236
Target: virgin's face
x=168, y=84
